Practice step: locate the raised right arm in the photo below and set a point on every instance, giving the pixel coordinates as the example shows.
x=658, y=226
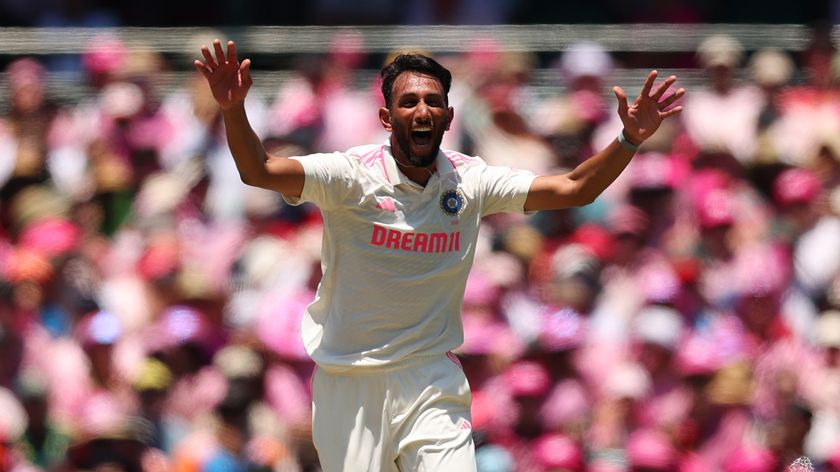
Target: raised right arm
x=230, y=81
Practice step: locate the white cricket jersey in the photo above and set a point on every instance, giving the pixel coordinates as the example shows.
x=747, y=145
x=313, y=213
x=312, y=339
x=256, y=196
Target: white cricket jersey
x=396, y=255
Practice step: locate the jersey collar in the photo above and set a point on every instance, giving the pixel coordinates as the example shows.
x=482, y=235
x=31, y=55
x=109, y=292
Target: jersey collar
x=395, y=177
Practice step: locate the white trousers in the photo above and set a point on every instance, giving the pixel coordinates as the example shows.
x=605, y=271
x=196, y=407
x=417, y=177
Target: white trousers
x=412, y=418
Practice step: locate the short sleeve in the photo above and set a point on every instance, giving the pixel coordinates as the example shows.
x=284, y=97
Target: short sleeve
x=504, y=189
x=327, y=180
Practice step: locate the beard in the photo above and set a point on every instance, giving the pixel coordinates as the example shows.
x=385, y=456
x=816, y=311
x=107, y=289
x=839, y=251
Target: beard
x=403, y=138
x=415, y=160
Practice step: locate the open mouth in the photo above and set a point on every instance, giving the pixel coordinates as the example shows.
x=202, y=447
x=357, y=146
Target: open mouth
x=421, y=136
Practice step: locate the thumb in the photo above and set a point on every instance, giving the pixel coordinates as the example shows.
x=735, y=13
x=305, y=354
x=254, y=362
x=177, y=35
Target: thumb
x=622, y=100
x=199, y=66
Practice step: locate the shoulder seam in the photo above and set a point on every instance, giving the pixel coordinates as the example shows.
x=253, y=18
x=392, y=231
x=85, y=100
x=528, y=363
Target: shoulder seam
x=369, y=158
x=460, y=158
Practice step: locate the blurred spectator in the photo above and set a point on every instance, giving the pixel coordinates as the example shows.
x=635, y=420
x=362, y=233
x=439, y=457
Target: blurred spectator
x=809, y=110
x=723, y=415
x=722, y=117
x=123, y=449
x=44, y=443
x=527, y=383
x=569, y=120
x=185, y=341
x=311, y=109
x=786, y=437
x=753, y=458
x=558, y=452
x=650, y=450
x=658, y=331
x=296, y=113
x=637, y=274
x=493, y=125
x=816, y=262
x=152, y=384
x=826, y=164
x=338, y=98
x=13, y=425
x=822, y=389
x=623, y=386
x=25, y=131
x=772, y=70
x=654, y=178
x=246, y=432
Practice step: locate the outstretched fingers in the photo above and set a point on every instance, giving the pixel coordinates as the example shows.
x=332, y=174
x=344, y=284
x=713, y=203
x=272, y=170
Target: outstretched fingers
x=231, y=52
x=648, y=84
x=220, y=53
x=622, y=100
x=245, y=73
x=671, y=112
x=671, y=99
x=663, y=87
x=208, y=58
x=212, y=63
x=202, y=68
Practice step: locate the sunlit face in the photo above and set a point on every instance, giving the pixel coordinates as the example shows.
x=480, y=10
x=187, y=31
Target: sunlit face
x=417, y=118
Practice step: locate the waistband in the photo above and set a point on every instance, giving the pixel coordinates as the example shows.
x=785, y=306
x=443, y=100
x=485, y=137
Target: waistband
x=404, y=363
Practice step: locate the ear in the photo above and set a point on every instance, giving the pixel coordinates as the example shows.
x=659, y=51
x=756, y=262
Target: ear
x=451, y=115
x=385, y=118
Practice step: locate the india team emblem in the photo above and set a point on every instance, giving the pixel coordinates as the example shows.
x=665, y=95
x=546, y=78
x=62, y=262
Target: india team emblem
x=452, y=202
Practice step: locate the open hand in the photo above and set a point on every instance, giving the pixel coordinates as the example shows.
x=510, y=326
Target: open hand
x=643, y=117
x=229, y=80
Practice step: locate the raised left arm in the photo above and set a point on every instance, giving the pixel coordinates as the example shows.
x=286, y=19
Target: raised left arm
x=586, y=181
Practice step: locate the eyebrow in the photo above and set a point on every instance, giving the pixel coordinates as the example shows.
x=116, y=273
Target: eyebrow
x=407, y=95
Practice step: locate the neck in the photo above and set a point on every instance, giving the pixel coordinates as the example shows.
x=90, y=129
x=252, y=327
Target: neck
x=417, y=174
x=420, y=175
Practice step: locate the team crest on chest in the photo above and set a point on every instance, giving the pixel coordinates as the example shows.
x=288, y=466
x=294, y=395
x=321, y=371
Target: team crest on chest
x=452, y=202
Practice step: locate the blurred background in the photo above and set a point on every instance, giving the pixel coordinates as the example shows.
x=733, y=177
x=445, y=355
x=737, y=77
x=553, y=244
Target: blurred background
x=688, y=320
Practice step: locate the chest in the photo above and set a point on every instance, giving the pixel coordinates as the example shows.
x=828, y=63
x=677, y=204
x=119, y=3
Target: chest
x=403, y=220
x=445, y=203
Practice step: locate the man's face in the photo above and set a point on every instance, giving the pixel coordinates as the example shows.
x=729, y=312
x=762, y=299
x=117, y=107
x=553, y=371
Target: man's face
x=417, y=118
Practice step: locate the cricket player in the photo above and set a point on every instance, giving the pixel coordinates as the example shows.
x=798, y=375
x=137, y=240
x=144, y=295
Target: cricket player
x=401, y=220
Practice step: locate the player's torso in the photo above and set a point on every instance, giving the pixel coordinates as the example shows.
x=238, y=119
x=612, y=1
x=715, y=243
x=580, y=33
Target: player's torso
x=396, y=257
x=406, y=229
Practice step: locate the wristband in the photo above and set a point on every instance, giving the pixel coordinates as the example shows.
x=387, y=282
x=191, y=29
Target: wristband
x=623, y=142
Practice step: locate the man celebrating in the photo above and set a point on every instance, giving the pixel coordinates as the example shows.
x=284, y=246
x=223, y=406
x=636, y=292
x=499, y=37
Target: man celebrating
x=400, y=226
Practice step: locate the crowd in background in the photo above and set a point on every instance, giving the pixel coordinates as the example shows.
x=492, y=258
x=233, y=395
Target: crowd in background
x=688, y=320
x=98, y=13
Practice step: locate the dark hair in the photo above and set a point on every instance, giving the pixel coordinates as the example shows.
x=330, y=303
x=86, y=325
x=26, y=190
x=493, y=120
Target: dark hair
x=417, y=63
